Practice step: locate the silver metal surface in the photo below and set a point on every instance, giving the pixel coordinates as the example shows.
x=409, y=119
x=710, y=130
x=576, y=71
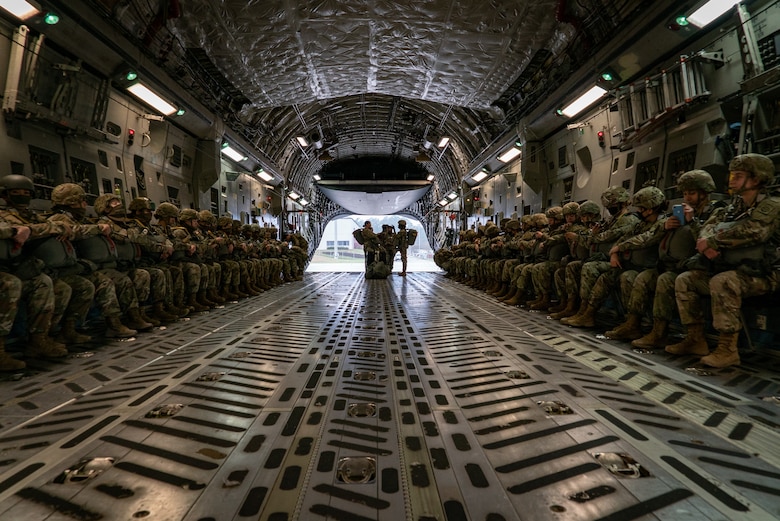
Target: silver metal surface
x=408, y=398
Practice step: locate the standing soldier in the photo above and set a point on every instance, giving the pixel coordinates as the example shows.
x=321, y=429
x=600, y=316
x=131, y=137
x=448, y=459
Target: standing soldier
x=403, y=239
x=740, y=242
x=70, y=208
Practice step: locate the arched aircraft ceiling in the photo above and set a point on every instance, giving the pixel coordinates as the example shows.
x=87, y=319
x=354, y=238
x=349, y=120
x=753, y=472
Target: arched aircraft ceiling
x=374, y=78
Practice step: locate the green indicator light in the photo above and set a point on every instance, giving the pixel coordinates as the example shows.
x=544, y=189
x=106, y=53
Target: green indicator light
x=606, y=76
x=682, y=21
x=131, y=76
x=51, y=18
x=180, y=112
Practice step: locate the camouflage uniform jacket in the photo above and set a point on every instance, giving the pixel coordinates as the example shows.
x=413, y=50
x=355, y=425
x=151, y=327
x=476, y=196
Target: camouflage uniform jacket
x=39, y=226
x=152, y=242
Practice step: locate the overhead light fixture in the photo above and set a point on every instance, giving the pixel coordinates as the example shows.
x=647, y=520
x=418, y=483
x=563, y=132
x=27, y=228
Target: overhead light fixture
x=710, y=11
x=151, y=98
x=293, y=196
x=317, y=177
x=444, y=202
x=452, y=196
x=583, y=102
x=302, y=141
x=443, y=142
x=19, y=8
x=479, y=176
x=509, y=155
x=232, y=153
x=265, y=176
x=430, y=177
x=51, y=18
x=303, y=202
x=426, y=144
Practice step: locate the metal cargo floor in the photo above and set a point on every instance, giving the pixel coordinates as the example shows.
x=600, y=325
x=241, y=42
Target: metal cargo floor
x=408, y=398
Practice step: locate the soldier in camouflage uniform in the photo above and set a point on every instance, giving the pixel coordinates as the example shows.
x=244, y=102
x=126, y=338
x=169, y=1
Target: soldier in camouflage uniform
x=156, y=249
x=149, y=281
x=298, y=251
x=70, y=207
x=167, y=215
x=641, y=263
x=532, y=253
x=677, y=246
x=188, y=232
x=554, y=249
x=567, y=279
x=73, y=294
x=615, y=199
x=739, y=243
x=215, y=230
x=520, y=232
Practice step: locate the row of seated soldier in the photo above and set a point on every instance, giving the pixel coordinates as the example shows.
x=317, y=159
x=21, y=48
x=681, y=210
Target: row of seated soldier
x=569, y=260
x=69, y=275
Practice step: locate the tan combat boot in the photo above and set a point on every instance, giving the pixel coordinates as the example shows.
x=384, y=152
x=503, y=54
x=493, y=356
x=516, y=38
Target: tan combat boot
x=69, y=335
x=510, y=294
x=192, y=302
x=134, y=320
x=569, y=311
x=542, y=304
x=7, y=362
x=694, y=343
x=577, y=314
x=152, y=320
x=560, y=306
x=158, y=308
x=116, y=329
x=587, y=319
x=655, y=339
x=41, y=346
x=725, y=354
x=628, y=330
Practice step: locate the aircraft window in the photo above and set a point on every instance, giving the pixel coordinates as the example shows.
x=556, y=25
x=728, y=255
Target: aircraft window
x=107, y=186
x=113, y=129
x=103, y=158
x=615, y=165
x=118, y=161
x=562, y=157
x=630, y=160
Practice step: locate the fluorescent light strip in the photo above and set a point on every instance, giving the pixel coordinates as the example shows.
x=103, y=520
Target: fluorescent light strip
x=431, y=177
x=479, y=176
x=265, y=176
x=452, y=196
x=19, y=8
x=705, y=14
x=293, y=196
x=145, y=94
x=444, y=202
x=443, y=142
x=583, y=102
x=302, y=141
x=509, y=155
x=233, y=154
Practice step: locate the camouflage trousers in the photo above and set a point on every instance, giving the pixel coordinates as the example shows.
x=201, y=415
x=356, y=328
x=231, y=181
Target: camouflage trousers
x=105, y=294
x=174, y=282
x=10, y=293
x=125, y=287
x=591, y=271
x=727, y=289
x=664, y=301
x=81, y=294
x=542, y=277
x=192, y=277
x=570, y=281
x=142, y=281
x=524, y=282
x=38, y=295
x=230, y=272
x=508, y=269
x=637, y=289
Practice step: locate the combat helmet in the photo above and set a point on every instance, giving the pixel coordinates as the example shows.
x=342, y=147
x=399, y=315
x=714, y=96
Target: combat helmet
x=208, y=217
x=649, y=197
x=491, y=230
x=760, y=167
x=589, y=208
x=17, y=182
x=526, y=219
x=539, y=220
x=696, y=180
x=103, y=203
x=68, y=194
x=615, y=195
x=570, y=208
x=188, y=214
x=554, y=212
x=167, y=211
x=513, y=224
x=140, y=203
x=402, y=223
x=225, y=222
